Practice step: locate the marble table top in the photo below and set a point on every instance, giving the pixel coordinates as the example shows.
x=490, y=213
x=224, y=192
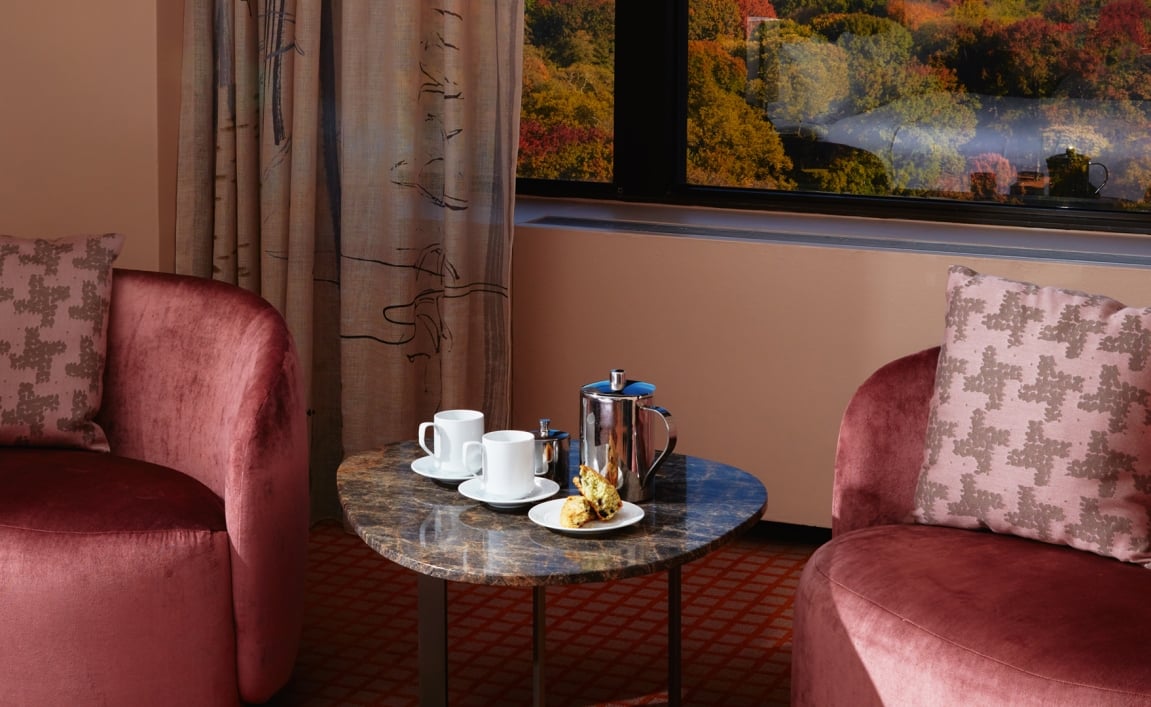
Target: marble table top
x=412, y=520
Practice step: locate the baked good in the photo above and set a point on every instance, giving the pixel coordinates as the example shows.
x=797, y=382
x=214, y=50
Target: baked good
x=595, y=488
x=575, y=511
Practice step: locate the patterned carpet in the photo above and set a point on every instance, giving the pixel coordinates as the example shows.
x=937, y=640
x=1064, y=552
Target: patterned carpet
x=359, y=644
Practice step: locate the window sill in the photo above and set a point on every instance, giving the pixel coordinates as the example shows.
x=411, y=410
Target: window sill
x=1088, y=247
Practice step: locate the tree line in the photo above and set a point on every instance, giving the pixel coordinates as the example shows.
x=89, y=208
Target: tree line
x=860, y=96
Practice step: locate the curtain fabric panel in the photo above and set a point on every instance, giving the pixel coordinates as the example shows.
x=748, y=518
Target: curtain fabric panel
x=354, y=163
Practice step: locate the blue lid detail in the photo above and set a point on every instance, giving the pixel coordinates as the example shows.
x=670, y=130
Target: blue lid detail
x=631, y=388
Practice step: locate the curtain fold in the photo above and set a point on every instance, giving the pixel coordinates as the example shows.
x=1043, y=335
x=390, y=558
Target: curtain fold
x=354, y=163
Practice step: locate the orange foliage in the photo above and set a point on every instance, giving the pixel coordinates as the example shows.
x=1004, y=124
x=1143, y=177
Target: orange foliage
x=912, y=14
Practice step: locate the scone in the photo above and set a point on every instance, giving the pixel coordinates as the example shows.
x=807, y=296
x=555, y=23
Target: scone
x=575, y=511
x=595, y=488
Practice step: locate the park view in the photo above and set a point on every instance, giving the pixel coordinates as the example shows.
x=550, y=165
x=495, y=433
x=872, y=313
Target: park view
x=1013, y=101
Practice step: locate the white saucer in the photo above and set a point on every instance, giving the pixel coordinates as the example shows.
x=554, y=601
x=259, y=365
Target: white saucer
x=547, y=514
x=474, y=489
x=427, y=466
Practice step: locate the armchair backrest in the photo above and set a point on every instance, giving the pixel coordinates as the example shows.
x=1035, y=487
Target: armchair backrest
x=203, y=377
x=880, y=449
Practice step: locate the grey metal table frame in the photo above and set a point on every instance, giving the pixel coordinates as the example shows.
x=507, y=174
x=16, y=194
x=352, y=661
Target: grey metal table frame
x=699, y=505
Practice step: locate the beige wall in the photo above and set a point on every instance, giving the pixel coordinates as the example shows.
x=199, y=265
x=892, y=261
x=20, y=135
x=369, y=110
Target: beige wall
x=88, y=106
x=753, y=347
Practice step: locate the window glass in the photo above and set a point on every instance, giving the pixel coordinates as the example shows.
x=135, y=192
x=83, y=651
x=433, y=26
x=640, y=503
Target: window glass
x=566, y=121
x=985, y=104
x=1030, y=102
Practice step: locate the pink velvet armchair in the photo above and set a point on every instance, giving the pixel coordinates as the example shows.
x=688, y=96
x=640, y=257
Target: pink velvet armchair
x=896, y=613
x=169, y=571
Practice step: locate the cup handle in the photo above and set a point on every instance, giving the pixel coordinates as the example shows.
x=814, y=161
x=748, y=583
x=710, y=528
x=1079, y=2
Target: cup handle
x=422, y=438
x=468, y=447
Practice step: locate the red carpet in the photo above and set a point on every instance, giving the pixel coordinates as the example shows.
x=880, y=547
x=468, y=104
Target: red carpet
x=359, y=645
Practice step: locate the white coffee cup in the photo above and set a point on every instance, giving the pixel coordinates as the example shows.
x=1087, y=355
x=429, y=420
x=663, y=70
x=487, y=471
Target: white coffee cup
x=452, y=429
x=507, y=462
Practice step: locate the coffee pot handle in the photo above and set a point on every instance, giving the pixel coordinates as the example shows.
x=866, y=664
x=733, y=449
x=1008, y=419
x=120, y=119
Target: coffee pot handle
x=1106, y=175
x=669, y=423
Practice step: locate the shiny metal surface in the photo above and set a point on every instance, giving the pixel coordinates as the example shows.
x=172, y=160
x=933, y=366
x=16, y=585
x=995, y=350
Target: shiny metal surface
x=619, y=428
x=553, y=451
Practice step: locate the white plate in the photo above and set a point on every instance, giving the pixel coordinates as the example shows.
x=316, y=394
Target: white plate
x=547, y=514
x=474, y=489
x=427, y=466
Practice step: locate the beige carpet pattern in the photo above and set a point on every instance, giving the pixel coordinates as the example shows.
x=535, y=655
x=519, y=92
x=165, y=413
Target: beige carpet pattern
x=606, y=642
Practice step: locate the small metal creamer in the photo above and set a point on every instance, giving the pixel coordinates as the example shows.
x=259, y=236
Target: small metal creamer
x=617, y=418
x=552, y=451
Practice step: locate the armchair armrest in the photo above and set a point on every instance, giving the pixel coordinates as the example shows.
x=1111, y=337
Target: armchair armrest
x=202, y=377
x=880, y=447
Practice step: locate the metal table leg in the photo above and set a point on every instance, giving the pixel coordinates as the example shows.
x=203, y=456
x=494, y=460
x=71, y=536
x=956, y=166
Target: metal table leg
x=674, y=646
x=539, y=645
x=433, y=641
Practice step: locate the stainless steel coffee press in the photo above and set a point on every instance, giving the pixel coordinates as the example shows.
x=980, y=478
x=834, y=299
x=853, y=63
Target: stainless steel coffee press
x=616, y=437
x=552, y=452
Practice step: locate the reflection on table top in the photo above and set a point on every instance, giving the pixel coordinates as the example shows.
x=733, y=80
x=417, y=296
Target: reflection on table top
x=432, y=529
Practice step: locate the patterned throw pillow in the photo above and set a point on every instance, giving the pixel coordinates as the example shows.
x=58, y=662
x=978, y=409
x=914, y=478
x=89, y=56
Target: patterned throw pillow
x=54, y=298
x=1040, y=417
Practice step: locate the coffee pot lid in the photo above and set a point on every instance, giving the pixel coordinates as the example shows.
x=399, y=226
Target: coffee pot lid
x=618, y=385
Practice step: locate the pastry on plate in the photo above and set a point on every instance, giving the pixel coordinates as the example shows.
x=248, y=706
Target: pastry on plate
x=575, y=511
x=599, y=491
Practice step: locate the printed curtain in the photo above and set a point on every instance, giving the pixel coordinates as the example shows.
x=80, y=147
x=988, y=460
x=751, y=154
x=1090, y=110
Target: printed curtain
x=354, y=163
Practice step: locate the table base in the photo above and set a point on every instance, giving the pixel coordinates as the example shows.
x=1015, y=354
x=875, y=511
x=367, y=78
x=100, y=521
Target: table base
x=433, y=640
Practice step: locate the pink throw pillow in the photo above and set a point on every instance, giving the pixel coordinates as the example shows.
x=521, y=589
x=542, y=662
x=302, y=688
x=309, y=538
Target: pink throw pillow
x=54, y=299
x=1039, y=421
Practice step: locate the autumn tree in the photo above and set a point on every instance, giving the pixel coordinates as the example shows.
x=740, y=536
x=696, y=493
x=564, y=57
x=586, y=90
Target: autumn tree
x=811, y=82
x=566, y=114
x=568, y=32
x=714, y=19
x=1068, y=10
x=913, y=14
x=1034, y=57
x=1117, y=48
x=1030, y=58
x=861, y=96
x=755, y=8
x=729, y=143
x=852, y=172
x=946, y=45
x=879, y=56
x=804, y=10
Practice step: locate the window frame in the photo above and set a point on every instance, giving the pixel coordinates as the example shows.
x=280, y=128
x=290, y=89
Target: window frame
x=650, y=160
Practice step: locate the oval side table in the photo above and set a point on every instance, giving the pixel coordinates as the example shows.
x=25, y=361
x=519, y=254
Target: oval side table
x=698, y=506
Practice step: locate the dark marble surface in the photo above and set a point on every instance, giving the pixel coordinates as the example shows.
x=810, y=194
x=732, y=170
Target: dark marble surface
x=410, y=519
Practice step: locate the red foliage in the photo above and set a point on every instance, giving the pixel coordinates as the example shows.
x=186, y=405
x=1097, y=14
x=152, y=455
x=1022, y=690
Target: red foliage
x=1035, y=55
x=537, y=138
x=1124, y=22
x=564, y=151
x=755, y=8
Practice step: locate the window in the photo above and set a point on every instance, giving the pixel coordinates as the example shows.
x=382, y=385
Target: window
x=1012, y=112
